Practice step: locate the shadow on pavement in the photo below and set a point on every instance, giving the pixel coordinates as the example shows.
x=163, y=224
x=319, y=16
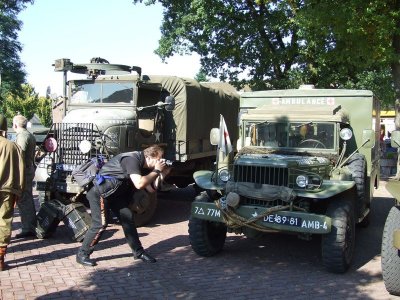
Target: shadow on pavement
x=274, y=266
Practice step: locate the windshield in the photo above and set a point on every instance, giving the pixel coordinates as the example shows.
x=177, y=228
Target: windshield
x=290, y=135
x=101, y=92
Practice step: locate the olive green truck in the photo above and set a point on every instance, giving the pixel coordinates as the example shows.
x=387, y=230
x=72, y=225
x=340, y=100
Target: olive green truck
x=110, y=108
x=307, y=163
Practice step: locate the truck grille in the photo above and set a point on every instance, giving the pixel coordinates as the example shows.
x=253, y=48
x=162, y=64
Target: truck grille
x=68, y=136
x=261, y=175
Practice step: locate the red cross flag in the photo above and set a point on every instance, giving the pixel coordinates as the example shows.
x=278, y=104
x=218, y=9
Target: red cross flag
x=224, y=141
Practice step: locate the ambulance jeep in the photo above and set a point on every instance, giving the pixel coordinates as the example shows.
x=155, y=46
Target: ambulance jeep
x=306, y=163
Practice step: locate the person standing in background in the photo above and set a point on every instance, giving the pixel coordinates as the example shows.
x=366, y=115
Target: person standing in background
x=26, y=206
x=11, y=185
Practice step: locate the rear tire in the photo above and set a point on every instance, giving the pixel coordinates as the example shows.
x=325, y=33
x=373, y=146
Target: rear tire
x=338, y=245
x=390, y=255
x=207, y=238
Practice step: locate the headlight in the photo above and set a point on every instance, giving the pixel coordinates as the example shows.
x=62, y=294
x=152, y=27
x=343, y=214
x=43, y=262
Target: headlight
x=85, y=146
x=224, y=175
x=302, y=181
x=310, y=182
x=346, y=134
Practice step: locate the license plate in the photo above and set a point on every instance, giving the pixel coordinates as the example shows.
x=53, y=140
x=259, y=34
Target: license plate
x=283, y=220
x=65, y=167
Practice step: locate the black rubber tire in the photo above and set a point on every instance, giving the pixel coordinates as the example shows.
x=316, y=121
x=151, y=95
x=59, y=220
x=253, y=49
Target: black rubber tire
x=338, y=245
x=143, y=207
x=390, y=255
x=207, y=238
x=358, y=168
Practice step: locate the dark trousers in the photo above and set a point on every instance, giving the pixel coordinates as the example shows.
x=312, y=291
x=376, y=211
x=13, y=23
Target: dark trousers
x=118, y=202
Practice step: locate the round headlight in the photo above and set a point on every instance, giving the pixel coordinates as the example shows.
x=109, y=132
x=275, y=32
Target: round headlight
x=85, y=146
x=50, y=144
x=346, y=134
x=302, y=181
x=224, y=175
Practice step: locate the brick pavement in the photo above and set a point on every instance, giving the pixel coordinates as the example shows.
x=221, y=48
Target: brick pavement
x=271, y=267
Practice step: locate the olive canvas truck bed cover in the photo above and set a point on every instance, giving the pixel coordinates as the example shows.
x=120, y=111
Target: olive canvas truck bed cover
x=197, y=109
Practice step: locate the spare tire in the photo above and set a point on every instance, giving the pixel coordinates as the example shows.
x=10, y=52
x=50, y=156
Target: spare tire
x=358, y=169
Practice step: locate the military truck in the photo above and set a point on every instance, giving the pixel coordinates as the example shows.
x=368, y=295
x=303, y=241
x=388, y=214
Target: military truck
x=391, y=234
x=307, y=164
x=114, y=109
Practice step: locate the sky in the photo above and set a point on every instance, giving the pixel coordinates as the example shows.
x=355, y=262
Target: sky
x=119, y=31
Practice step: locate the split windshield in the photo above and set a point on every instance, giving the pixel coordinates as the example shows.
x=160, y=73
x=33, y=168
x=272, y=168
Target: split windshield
x=83, y=92
x=290, y=135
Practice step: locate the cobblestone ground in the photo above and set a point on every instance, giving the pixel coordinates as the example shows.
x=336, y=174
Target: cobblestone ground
x=271, y=267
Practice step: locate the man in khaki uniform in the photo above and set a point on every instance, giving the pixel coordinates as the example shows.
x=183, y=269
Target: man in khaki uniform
x=11, y=185
x=26, y=206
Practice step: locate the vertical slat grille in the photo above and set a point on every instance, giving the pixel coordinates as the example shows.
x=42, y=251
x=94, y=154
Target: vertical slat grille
x=69, y=136
x=261, y=175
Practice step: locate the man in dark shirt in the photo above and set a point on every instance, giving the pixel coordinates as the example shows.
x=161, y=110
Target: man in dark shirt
x=115, y=184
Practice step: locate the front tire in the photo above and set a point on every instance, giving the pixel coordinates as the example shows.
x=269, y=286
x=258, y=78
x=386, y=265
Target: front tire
x=338, y=245
x=358, y=168
x=390, y=255
x=207, y=238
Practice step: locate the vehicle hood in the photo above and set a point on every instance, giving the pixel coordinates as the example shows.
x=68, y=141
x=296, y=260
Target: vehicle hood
x=281, y=160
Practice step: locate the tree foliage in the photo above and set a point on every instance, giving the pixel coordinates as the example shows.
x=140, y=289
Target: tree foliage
x=353, y=45
x=11, y=68
x=44, y=111
x=25, y=103
x=283, y=43
x=201, y=76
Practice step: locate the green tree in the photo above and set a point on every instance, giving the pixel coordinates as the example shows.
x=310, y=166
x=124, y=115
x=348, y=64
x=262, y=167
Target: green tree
x=25, y=103
x=201, y=76
x=356, y=44
x=44, y=111
x=258, y=39
x=284, y=43
x=11, y=68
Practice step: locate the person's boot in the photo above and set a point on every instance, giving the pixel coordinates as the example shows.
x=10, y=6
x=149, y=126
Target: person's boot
x=2, y=255
x=83, y=259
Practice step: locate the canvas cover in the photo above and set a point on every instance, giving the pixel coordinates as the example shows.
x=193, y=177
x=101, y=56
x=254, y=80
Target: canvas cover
x=198, y=105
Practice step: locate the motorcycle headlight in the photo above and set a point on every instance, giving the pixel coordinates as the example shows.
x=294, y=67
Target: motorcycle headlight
x=302, y=181
x=224, y=175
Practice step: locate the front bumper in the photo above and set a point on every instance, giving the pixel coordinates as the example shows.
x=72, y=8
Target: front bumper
x=291, y=221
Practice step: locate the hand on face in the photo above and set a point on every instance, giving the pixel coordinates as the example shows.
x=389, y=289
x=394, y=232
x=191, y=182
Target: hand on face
x=160, y=164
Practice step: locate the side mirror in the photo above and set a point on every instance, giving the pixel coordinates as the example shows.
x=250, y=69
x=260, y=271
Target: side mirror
x=395, y=139
x=214, y=136
x=170, y=103
x=368, y=138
